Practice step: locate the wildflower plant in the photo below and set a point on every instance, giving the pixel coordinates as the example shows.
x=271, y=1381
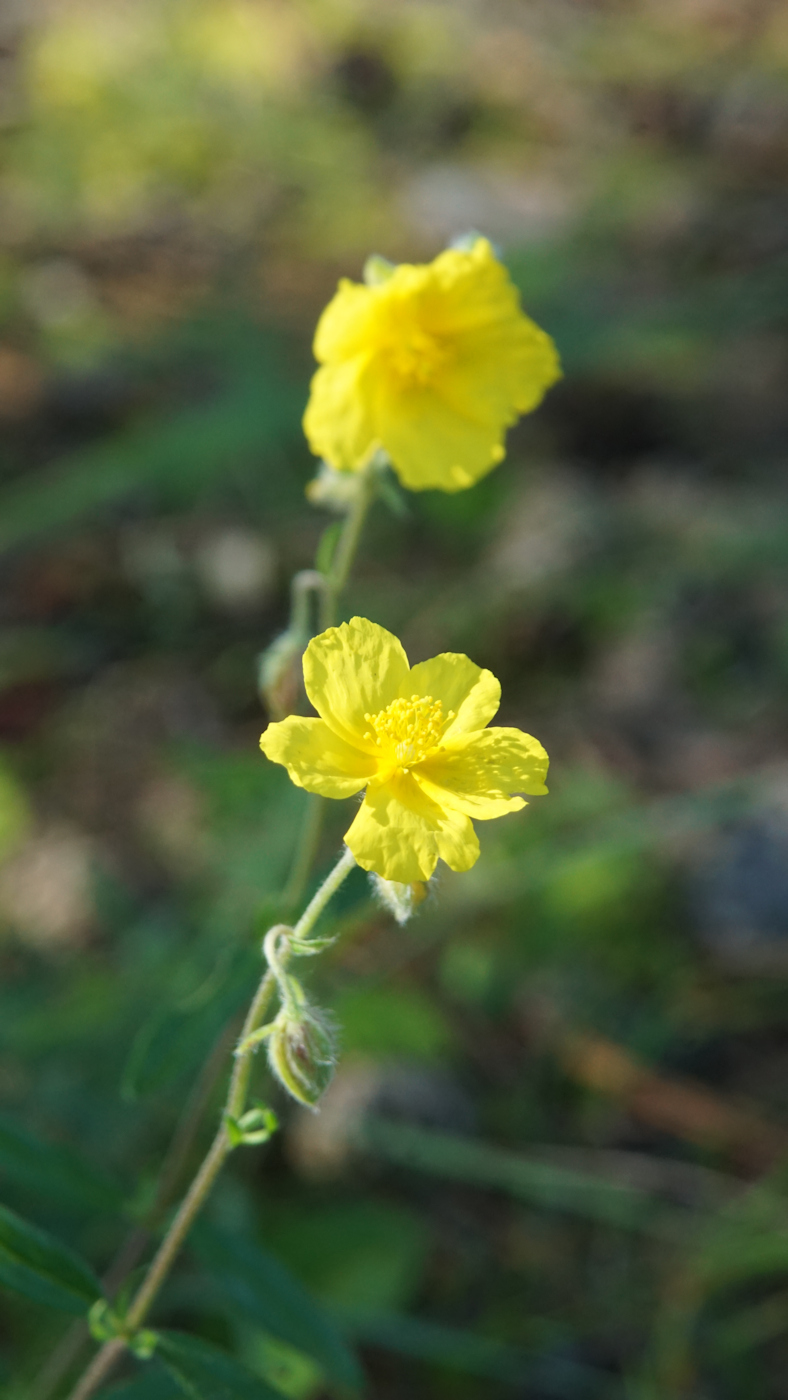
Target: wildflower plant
x=423, y=368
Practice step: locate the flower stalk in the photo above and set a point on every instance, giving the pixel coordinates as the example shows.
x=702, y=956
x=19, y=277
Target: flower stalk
x=297, y=940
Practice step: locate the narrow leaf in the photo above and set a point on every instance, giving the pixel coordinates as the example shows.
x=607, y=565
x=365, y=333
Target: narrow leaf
x=326, y=548
x=461, y=1350
x=53, y=1171
x=542, y=1183
x=36, y=1264
x=205, y=1372
x=154, y=1384
x=251, y=1279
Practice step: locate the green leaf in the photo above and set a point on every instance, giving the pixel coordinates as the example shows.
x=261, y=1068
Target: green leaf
x=34, y=1263
x=392, y=496
x=251, y=1279
x=327, y=547
x=175, y=1039
x=545, y=1184
x=205, y=1372
x=154, y=1384
x=54, y=1172
x=453, y=1347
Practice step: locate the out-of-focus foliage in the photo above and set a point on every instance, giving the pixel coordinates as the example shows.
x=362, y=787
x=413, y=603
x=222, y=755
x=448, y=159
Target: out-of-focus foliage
x=551, y=1162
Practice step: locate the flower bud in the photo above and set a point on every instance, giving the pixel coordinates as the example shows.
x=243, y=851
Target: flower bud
x=302, y=1052
x=279, y=673
x=401, y=900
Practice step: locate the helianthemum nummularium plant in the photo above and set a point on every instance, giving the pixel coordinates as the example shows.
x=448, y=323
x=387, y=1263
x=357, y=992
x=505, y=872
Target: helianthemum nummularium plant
x=423, y=367
x=415, y=739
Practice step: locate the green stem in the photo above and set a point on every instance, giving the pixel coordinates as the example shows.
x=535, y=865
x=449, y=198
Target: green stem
x=347, y=545
x=278, y=943
x=309, y=838
x=327, y=890
x=104, y=1361
x=306, y=850
x=328, y=596
x=131, y=1251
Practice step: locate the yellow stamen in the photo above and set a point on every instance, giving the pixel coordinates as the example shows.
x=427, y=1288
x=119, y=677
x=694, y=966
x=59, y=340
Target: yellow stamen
x=407, y=730
x=416, y=356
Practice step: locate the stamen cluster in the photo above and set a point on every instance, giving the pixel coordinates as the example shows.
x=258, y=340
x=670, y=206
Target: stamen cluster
x=408, y=729
x=416, y=356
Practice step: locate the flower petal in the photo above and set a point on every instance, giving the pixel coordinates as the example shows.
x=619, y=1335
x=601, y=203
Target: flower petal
x=473, y=694
x=502, y=370
x=480, y=774
x=339, y=420
x=353, y=670
x=432, y=445
x=316, y=758
x=400, y=833
x=346, y=323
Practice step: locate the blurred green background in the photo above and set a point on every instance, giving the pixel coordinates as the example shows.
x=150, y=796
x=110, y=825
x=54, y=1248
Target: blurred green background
x=552, y=1163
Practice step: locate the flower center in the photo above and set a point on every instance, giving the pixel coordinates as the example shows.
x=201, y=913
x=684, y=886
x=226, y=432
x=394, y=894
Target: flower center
x=416, y=356
x=407, y=729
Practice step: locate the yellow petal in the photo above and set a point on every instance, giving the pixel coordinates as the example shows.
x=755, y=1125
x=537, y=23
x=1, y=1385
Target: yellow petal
x=400, y=833
x=474, y=289
x=345, y=326
x=501, y=370
x=316, y=758
x=480, y=773
x=473, y=694
x=338, y=422
x=431, y=445
x=353, y=670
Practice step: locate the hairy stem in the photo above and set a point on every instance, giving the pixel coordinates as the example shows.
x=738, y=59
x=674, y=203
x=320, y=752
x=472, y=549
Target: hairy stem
x=74, y=1340
x=327, y=890
x=104, y=1361
x=309, y=838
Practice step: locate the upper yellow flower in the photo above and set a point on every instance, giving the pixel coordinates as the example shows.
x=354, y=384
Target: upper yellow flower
x=432, y=364
x=415, y=738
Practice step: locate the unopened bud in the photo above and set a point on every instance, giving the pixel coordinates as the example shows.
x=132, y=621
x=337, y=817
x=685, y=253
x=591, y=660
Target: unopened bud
x=332, y=489
x=302, y=1052
x=279, y=674
x=401, y=900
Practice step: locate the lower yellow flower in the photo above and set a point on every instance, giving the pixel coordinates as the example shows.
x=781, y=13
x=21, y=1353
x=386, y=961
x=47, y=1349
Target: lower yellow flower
x=432, y=363
x=416, y=739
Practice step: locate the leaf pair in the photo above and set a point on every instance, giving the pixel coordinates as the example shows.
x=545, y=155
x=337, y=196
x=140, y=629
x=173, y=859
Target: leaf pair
x=200, y=1370
x=251, y=1281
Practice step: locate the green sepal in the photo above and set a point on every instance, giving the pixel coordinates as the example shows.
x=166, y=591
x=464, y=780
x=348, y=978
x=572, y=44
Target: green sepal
x=307, y=947
x=377, y=270
x=255, y=1126
x=391, y=495
x=302, y=1052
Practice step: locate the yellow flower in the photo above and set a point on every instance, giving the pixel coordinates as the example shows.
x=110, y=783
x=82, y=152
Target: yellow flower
x=432, y=364
x=416, y=739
